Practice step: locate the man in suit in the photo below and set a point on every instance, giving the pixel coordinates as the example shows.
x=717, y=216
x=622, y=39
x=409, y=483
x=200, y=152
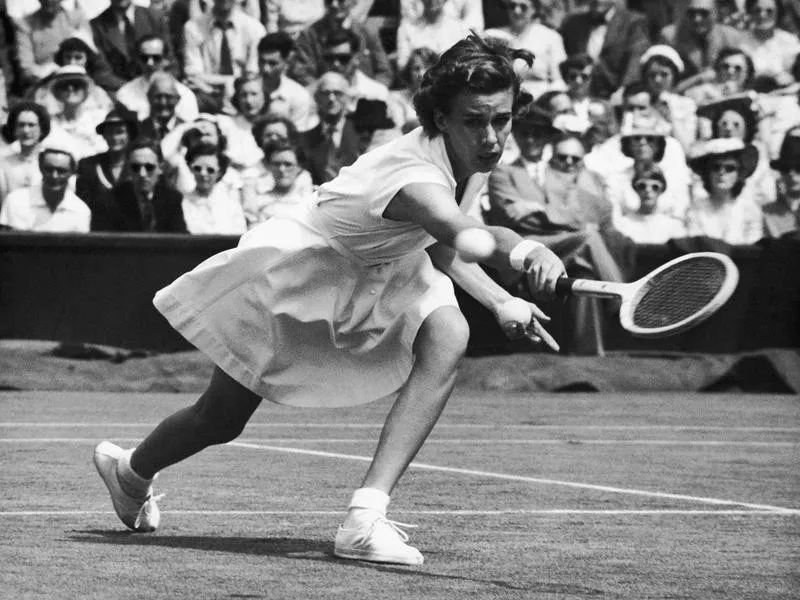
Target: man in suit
x=116, y=31
x=163, y=97
x=142, y=203
x=614, y=37
x=334, y=142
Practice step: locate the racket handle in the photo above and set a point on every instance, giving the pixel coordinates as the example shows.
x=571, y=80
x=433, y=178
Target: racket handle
x=569, y=286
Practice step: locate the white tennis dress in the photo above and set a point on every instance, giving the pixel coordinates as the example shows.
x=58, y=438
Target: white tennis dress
x=320, y=307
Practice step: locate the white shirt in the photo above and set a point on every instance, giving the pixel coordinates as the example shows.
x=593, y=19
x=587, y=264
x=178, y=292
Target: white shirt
x=293, y=101
x=419, y=33
x=134, y=95
x=25, y=209
x=218, y=213
x=598, y=36
x=203, y=41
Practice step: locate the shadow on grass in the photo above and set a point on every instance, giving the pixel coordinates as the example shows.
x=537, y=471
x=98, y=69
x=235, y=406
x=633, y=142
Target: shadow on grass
x=314, y=550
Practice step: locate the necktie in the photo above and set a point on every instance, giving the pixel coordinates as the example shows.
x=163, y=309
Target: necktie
x=130, y=35
x=148, y=220
x=225, y=56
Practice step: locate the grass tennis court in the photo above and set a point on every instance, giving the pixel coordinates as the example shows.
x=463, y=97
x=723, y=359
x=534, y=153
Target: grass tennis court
x=516, y=496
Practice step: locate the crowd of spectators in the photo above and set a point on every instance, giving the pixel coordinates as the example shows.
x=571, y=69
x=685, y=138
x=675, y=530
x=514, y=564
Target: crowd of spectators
x=645, y=121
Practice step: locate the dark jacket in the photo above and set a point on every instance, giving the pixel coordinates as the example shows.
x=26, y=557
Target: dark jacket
x=94, y=177
x=119, y=51
x=626, y=40
x=324, y=161
x=118, y=210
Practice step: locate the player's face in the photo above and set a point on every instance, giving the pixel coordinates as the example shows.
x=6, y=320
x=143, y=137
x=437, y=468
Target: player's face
x=475, y=130
x=56, y=170
x=27, y=131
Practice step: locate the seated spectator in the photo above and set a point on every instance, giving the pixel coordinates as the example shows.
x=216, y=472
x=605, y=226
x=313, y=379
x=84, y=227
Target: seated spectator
x=609, y=160
x=27, y=125
x=468, y=12
x=248, y=100
x=525, y=30
x=643, y=140
x=285, y=188
x=783, y=216
x=369, y=53
x=339, y=52
x=699, y=39
x=218, y=48
x=433, y=28
x=402, y=100
x=649, y=222
x=737, y=117
x=557, y=102
x=772, y=49
x=292, y=16
x=50, y=205
x=74, y=51
x=152, y=58
x=334, y=142
x=733, y=74
x=721, y=209
x=116, y=31
x=662, y=68
x=210, y=208
x=369, y=117
x=614, y=37
x=272, y=127
x=102, y=172
x=596, y=113
x=72, y=87
x=39, y=35
x=282, y=94
x=163, y=98
x=780, y=112
x=142, y=202
x=563, y=206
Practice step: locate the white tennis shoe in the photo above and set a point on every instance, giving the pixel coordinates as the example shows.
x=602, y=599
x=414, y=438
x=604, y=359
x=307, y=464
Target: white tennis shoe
x=139, y=514
x=377, y=540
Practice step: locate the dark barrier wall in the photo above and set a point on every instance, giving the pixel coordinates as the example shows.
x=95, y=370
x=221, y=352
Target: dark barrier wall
x=98, y=288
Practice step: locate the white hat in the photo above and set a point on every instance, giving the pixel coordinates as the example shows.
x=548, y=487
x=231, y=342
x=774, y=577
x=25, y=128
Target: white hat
x=663, y=51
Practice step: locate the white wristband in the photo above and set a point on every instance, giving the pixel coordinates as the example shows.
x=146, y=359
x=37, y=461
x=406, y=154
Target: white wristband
x=518, y=254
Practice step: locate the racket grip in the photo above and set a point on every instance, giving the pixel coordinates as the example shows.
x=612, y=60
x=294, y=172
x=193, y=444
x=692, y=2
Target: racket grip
x=564, y=286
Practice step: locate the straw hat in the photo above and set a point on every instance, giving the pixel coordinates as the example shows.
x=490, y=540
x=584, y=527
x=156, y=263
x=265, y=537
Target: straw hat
x=703, y=152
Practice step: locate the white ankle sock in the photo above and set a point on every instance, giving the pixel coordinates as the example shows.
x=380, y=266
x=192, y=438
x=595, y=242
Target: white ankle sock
x=130, y=480
x=365, y=505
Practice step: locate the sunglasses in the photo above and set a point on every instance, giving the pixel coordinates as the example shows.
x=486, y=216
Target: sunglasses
x=642, y=138
x=568, y=158
x=698, y=12
x=723, y=168
x=648, y=186
x=578, y=75
x=200, y=169
x=149, y=168
x=48, y=170
x=338, y=57
x=520, y=6
x=731, y=67
x=151, y=57
x=766, y=11
x=70, y=85
x=283, y=165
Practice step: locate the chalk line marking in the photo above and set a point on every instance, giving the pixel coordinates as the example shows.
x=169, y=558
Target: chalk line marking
x=523, y=478
x=445, y=441
x=440, y=426
x=446, y=513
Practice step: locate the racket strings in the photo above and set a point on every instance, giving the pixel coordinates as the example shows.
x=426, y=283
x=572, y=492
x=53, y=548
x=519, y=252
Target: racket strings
x=678, y=293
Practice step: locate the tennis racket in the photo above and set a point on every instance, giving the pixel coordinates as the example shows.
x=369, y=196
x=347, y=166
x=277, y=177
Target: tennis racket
x=671, y=299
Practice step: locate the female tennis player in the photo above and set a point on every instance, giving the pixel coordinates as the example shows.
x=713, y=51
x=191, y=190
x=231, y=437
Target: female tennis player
x=348, y=300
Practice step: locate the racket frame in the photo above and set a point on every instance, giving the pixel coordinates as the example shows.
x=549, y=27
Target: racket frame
x=629, y=293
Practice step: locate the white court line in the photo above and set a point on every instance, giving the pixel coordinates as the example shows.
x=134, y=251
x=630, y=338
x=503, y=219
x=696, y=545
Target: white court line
x=444, y=441
x=443, y=426
x=448, y=513
x=523, y=478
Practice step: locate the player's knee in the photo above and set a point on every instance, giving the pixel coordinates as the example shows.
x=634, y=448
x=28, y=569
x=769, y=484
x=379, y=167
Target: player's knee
x=446, y=335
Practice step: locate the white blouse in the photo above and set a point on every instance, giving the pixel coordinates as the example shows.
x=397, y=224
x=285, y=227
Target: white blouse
x=218, y=213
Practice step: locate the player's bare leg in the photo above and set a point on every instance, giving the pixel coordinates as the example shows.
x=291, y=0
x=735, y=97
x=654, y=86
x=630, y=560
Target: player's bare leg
x=438, y=349
x=219, y=416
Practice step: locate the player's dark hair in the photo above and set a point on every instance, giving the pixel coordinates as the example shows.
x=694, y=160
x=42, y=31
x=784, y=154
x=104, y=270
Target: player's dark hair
x=20, y=107
x=474, y=64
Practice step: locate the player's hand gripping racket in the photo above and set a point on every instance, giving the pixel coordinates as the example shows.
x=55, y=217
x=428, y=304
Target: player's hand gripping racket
x=675, y=297
x=671, y=299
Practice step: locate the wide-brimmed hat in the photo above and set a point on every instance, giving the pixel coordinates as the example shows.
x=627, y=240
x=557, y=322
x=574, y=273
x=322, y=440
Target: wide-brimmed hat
x=120, y=114
x=744, y=104
x=635, y=125
x=371, y=115
x=789, y=156
x=704, y=151
x=666, y=52
x=70, y=73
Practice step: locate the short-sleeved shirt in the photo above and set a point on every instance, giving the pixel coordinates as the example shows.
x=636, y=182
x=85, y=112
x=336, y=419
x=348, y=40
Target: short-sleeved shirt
x=25, y=209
